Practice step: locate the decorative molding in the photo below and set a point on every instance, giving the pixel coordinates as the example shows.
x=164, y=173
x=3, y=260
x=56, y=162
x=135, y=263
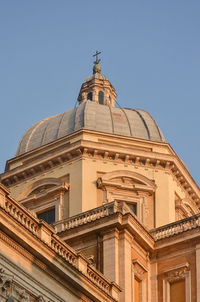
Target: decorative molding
x=54, y=190
x=137, y=182
x=40, y=299
x=21, y=250
x=139, y=269
x=86, y=149
x=174, y=274
x=31, y=279
x=177, y=274
x=20, y=294
x=184, y=208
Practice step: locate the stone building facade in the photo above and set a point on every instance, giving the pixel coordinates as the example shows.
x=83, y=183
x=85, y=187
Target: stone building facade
x=97, y=206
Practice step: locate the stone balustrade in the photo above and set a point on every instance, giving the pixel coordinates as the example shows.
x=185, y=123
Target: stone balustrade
x=47, y=235
x=121, y=207
x=176, y=227
x=21, y=214
x=98, y=280
x=91, y=215
x=64, y=251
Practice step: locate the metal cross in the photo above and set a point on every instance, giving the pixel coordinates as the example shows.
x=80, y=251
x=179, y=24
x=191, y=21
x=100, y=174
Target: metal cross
x=96, y=55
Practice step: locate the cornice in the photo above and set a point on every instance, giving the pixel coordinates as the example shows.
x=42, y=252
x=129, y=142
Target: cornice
x=65, y=142
x=105, y=152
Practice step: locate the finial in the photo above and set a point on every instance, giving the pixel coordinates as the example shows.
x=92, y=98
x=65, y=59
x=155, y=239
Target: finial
x=97, y=67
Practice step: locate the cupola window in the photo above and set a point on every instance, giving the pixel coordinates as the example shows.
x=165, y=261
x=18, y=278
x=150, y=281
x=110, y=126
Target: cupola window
x=101, y=97
x=89, y=96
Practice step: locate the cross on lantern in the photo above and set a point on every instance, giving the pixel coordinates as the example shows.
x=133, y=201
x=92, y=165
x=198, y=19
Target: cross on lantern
x=96, y=55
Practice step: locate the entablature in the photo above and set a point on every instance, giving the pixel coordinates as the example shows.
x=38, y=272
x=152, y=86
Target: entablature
x=106, y=152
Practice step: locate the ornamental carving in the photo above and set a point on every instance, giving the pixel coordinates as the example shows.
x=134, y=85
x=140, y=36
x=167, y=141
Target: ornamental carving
x=40, y=299
x=5, y=282
x=178, y=274
x=20, y=294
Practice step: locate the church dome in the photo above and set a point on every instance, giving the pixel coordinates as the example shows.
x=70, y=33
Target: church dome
x=90, y=115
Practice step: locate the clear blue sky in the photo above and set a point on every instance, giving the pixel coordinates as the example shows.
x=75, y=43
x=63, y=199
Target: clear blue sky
x=150, y=53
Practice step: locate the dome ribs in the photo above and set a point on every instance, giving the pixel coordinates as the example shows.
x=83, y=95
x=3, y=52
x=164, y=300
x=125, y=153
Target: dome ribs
x=112, y=123
x=89, y=115
x=61, y=118
x=144, y=122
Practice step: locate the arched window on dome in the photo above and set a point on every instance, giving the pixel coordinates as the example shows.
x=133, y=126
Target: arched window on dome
x=89, y=96
x=101, y=97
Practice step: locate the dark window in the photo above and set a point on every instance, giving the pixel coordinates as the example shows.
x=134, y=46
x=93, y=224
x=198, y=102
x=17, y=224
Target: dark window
x=133, y=207
x=89, y=96
x=48, y=216
x=101, y=97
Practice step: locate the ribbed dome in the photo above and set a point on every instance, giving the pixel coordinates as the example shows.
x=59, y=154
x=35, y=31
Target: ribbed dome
x=92, y=116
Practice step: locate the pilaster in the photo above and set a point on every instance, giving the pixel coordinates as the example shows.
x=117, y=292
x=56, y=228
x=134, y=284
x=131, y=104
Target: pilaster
x=125, y=266
x=111, y=255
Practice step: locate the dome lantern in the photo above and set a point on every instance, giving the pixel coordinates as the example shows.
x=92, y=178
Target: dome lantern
x=97, y=88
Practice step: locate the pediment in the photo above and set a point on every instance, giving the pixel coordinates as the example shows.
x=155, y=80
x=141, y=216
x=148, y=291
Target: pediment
x=126, y=180
x=39, y=186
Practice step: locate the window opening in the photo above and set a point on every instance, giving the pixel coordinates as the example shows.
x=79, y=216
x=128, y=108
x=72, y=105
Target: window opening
x=101, y=97
x=48, y=216
x=89, y=96
x=133, y=207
